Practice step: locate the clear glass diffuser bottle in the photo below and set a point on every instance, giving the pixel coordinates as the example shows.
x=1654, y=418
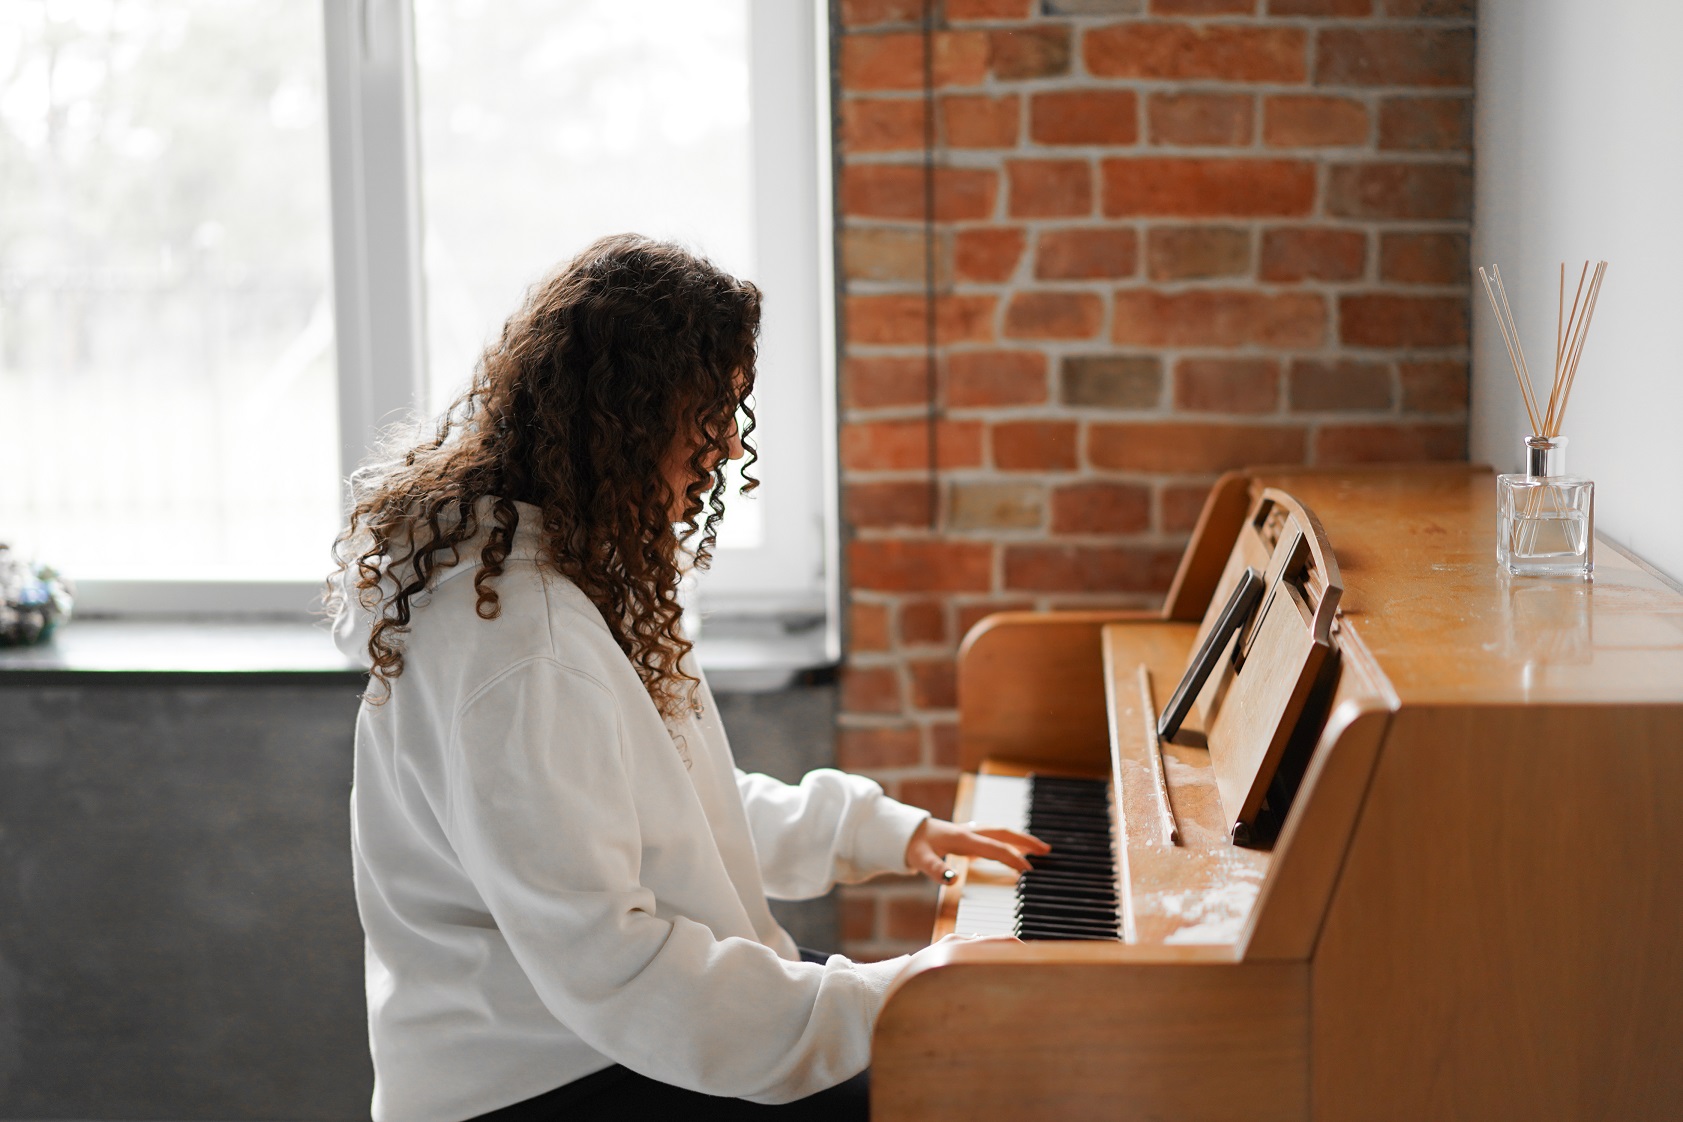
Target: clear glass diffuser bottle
x=1545, y=519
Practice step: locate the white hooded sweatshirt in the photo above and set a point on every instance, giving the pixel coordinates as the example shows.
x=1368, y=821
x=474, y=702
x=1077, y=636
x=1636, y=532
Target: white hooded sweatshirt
x=552, y=879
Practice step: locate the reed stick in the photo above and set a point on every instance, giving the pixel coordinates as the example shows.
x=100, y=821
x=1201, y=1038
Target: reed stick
x=1571, y=332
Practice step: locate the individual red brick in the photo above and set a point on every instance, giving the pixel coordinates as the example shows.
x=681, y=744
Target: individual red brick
x=923, y=622
x=1202, y=7
x=1424, y=258
x=867, y=627
x=892, y=746
x=910, y=918
x=1367, y=444
x=897, y=191
x=937, y=796
x=1224, y=385
x=1084, y=117
x=1394, y=56
x=1209, y=188
x=883, y=382
x=1201, y=448
x=1101, y=508
x=877, y=124
x=1201, y=119
x=959, y=11
x=1400, y=191
x=943, y=743
x=1344, y=386
x=987, y=255
x=969, y=615
x=1313, y=253
x=866, y=13
x=913, y=565
x=934, y=683
x=1034, y=445
x=870, y=689
x=1219, y=52
x=1111, y=381
x=884, y=253
x=1424, y=124
x=903, y=445
x=894, y=61
x=887, y=505
x=1430, y=9
x=982, y=379
x=1197, y=252
x=858, y=914
x=899, y=318
x=1054, y=315
x=980, y=122
x=1086, y=253
x=1383, y=320
x=1089, y=568
x=1313, y=122
x=1049, y=188
x=1219, y=318
x=995, y=506
x=1182, y=504
x=1433, y=386
x=1030, y=52
x=1335, y=8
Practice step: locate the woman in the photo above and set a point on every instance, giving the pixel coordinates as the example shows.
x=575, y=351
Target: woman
x=561, y=875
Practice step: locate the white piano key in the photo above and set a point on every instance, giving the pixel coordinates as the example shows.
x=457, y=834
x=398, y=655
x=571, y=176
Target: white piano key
x=990, y=909
x=1001, y=800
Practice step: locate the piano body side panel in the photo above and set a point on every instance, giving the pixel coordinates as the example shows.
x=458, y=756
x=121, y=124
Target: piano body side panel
x=1503, y=939
x=1012, y=1040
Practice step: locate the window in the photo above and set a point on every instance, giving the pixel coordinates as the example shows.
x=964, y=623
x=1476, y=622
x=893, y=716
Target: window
x=187, y=332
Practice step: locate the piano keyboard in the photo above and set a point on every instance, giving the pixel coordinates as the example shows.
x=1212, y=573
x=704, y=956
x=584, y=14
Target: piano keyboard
x=1071, y=892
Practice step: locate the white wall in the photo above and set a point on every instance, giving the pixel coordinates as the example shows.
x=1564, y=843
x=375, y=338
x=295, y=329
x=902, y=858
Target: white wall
x=1579, y=154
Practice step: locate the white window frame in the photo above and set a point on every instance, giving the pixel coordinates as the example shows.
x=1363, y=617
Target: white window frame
x=379, y=305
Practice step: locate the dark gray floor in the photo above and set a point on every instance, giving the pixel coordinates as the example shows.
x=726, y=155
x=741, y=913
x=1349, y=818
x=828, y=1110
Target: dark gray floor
x=178, y=938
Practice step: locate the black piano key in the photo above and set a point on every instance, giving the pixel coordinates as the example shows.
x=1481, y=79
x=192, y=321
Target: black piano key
x=1071, y=892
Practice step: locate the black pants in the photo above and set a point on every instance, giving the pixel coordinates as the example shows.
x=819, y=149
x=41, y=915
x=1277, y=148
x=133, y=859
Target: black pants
x=618, y=1093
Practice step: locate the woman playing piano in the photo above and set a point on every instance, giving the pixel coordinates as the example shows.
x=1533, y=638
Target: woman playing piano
x=561, y=875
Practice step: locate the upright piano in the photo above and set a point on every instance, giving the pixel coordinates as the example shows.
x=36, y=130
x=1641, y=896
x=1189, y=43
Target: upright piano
x=1428, y=852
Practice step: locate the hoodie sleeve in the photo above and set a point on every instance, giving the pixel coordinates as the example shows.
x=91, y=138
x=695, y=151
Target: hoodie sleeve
x=831, y=827
x=543, y=818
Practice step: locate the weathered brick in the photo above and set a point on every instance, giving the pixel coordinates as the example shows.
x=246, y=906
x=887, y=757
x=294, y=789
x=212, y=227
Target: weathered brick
x=915, y=565
x=897, y=191
x=934, y=683
x=1191, y=447
x=1084, y=117
x=1034, y=446
x=987, y=255
x=923, y=622
x=959, y=11
x=1384, y=320
x=867, y=627
x=878, y=124
x=895, y=746
x=1201, y=118
x=1219, y=52
x=980, y=121
x=1313, y=253
x=1092, y=7
x=1030, y=52
x=1394, y=56
x=1433, y=386
x=1333, y=8
x=1313, y=122
x=1089, y=568
x=899, y=318
x=1424, y=258
x=1367, y=444
x=865, y=13
x=1399, y=190
x=894, y=60
x=943, y=743
x=1219, y=318
x=883, y=253
x=1423, y=124
x=1086, y=253
x=1213, y=188
x=885, y=381
x=1049, y=188
x=858, y=912
x=937, y=796
x=1430, y=9
x=995, y=506
x=1111, y=381
x=982, y=379
x=1227, y=385
x=1054, y=315
x=903, y=445
x=1181, y=505
x=1341, y=386
x=870, y=689
x=1101, y=508
x=1197, y=252
x=1203, y=7
x=887, y=505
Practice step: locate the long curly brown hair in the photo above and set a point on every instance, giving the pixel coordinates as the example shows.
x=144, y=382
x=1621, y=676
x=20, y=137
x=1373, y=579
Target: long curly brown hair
x=614, y=365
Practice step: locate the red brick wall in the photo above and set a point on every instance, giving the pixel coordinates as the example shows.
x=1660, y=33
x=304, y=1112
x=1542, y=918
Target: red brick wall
x=1170, y=237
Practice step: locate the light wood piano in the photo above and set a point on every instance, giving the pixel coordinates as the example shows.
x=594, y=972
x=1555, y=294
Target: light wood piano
x=1460, y=889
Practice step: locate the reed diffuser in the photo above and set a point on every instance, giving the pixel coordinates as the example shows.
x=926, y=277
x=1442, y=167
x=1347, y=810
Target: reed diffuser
x=1545, y=519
